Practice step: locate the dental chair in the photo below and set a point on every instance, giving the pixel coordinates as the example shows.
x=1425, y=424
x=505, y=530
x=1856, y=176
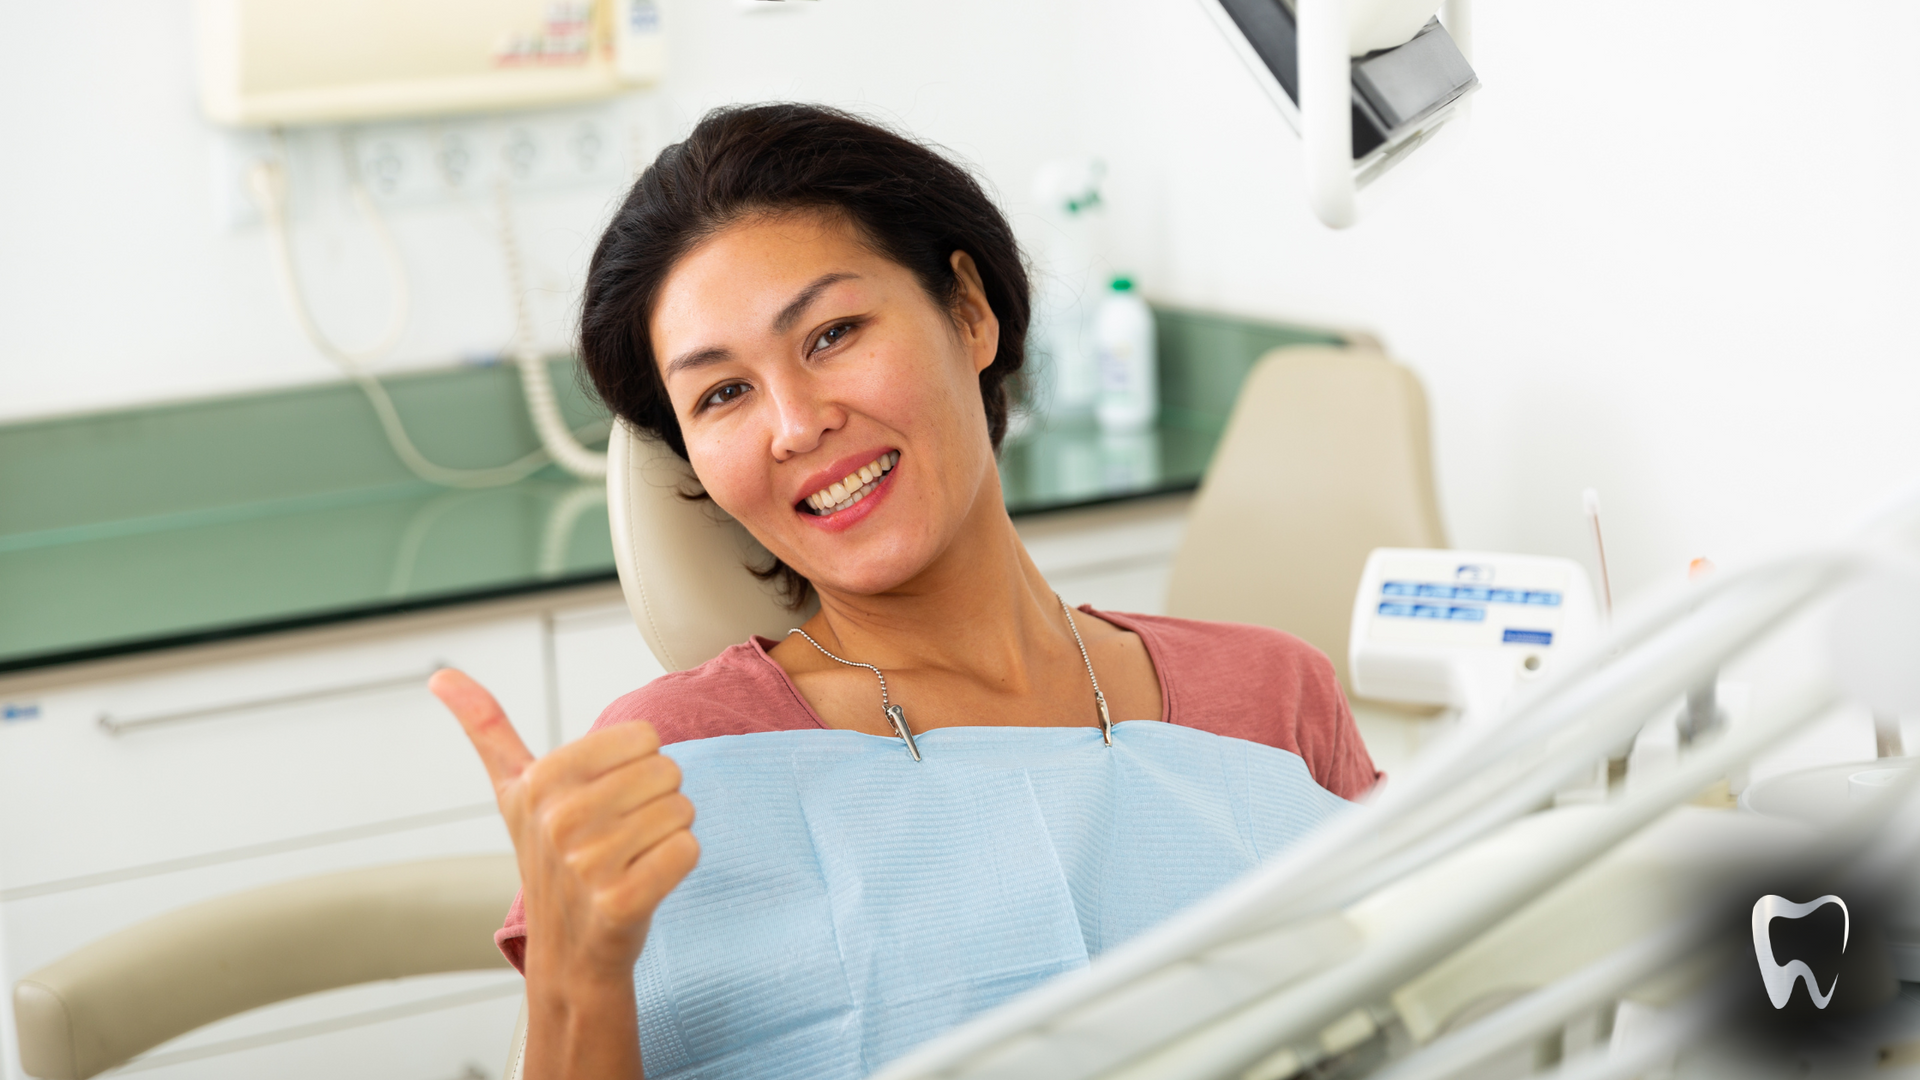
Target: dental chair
x=1325, y=457
x=114, y=999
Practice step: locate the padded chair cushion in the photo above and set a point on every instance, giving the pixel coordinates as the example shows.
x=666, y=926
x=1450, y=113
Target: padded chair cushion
x=1324, y=459
x=101, y=1005
x=683, y=562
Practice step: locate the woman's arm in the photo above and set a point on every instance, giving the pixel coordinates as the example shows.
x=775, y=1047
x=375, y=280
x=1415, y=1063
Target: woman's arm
x=602, y=834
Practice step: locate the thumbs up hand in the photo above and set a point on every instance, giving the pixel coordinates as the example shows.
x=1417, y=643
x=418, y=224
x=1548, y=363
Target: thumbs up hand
x=600, y=830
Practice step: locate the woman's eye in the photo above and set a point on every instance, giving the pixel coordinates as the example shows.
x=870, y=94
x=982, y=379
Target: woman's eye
x=724, y=394
x=832, y=336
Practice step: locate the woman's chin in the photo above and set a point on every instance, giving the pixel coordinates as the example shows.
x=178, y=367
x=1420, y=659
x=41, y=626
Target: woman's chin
x=872, y=577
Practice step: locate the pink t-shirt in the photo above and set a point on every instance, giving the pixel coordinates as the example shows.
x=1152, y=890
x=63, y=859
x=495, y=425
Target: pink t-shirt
x=1246, y=682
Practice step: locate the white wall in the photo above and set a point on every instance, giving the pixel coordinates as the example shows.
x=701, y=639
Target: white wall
x=1670, y=257
x=1674, y=257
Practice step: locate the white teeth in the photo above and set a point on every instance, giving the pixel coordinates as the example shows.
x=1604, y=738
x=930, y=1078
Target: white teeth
x=855, y=486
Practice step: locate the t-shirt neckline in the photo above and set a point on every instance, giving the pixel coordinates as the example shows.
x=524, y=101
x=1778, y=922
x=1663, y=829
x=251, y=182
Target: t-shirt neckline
x=761, y=645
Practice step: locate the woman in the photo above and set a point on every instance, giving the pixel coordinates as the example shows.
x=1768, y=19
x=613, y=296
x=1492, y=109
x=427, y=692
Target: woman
x=822, y=317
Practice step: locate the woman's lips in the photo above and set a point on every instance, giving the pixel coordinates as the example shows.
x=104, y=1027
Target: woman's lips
x=845, y=493
x=854, y=505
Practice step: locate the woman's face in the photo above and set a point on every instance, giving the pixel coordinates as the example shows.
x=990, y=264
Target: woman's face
x=828, y=403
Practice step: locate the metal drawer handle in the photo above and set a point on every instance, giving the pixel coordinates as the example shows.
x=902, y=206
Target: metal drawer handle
x=115, y=725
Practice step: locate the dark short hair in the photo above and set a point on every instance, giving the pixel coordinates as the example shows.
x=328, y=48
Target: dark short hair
x=907, y=201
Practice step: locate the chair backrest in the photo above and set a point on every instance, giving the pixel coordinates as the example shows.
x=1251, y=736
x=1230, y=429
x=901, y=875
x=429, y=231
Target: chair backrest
x=1325, y=458
x=130, y=991
x=683, y=562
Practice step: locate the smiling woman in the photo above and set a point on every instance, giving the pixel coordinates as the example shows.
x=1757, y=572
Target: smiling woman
x=903, y=204
x=821, y=316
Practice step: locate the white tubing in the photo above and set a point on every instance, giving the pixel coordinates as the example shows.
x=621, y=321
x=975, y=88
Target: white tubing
x=1231, y=1044
x=535, y=381
x=1607, y=978
x=268, y=180
x=557, y=535
x=1326, y=110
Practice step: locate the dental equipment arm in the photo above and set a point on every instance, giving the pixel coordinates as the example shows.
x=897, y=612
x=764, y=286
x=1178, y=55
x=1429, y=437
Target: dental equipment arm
x=1175, y=1002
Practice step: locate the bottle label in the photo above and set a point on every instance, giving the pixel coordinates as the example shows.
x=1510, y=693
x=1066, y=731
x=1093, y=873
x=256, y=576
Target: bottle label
x=1116, y=370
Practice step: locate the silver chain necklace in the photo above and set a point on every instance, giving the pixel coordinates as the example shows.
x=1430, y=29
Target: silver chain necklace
x=897, y=717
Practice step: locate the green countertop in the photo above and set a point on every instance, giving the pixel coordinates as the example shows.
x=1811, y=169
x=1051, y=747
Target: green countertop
x=179, y=524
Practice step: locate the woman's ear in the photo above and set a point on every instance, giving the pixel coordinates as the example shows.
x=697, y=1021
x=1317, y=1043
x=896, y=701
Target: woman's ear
x=979, y=326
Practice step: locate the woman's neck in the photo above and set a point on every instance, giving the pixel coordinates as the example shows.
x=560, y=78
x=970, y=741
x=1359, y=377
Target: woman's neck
x=982, y=609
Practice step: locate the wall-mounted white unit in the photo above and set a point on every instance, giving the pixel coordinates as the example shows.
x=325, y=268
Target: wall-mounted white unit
x=285, y=62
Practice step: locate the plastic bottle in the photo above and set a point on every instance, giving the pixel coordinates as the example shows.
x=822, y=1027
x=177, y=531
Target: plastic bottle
x=1068, y=286
x=1129, y=371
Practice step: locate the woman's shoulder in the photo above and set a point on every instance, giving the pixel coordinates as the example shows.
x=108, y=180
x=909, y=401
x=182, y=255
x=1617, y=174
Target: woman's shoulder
x=1202, y=647
x=1259, y=684
x=740, y=691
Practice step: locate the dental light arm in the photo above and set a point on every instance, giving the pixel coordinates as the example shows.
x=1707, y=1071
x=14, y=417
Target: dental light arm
x=1364, y=82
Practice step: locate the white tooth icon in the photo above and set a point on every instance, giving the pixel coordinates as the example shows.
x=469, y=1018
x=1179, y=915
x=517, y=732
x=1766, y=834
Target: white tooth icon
x=1779, y=978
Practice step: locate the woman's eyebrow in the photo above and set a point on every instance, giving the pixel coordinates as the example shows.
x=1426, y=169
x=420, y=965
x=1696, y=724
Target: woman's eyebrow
x=712, y=354
x=798, y=306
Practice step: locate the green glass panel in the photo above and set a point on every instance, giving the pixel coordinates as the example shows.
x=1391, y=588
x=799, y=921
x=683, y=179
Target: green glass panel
x=160, y=526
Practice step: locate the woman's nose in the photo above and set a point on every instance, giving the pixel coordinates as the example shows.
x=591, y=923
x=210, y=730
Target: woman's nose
x=802, y=417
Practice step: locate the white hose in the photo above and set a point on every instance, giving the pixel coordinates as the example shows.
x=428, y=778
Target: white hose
x=535, y=381
x=268, y=181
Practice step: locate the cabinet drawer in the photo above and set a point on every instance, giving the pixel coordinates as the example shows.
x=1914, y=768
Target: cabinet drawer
x=387, y=1024
x=145, y=772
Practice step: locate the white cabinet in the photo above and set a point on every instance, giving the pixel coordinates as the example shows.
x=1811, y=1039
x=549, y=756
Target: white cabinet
x=151, y=770
x=129, y=794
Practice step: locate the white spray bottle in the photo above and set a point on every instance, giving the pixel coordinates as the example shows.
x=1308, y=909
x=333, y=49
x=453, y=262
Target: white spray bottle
x=1129, y=370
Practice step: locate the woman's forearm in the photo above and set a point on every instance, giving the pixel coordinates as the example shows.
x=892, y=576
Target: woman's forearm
x=581, y=1029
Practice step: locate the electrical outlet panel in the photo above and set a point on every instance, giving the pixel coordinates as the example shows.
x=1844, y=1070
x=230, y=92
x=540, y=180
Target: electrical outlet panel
x=402, y=163
x=424, y=162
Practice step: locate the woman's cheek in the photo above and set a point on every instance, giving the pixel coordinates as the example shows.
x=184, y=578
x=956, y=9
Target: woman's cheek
x=730, y=486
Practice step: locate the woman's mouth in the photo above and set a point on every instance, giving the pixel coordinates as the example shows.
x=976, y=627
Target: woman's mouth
x=844, y=493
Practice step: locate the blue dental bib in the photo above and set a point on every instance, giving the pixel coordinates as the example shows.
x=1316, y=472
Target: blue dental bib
x=850, y=903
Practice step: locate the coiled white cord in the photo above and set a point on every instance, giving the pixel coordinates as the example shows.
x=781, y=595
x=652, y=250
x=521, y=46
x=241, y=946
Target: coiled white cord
x=535, y=381
x=268, y=182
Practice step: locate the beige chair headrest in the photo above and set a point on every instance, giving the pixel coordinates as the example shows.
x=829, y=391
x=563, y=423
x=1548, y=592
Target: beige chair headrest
x=1325, y=458
x=683, y=562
